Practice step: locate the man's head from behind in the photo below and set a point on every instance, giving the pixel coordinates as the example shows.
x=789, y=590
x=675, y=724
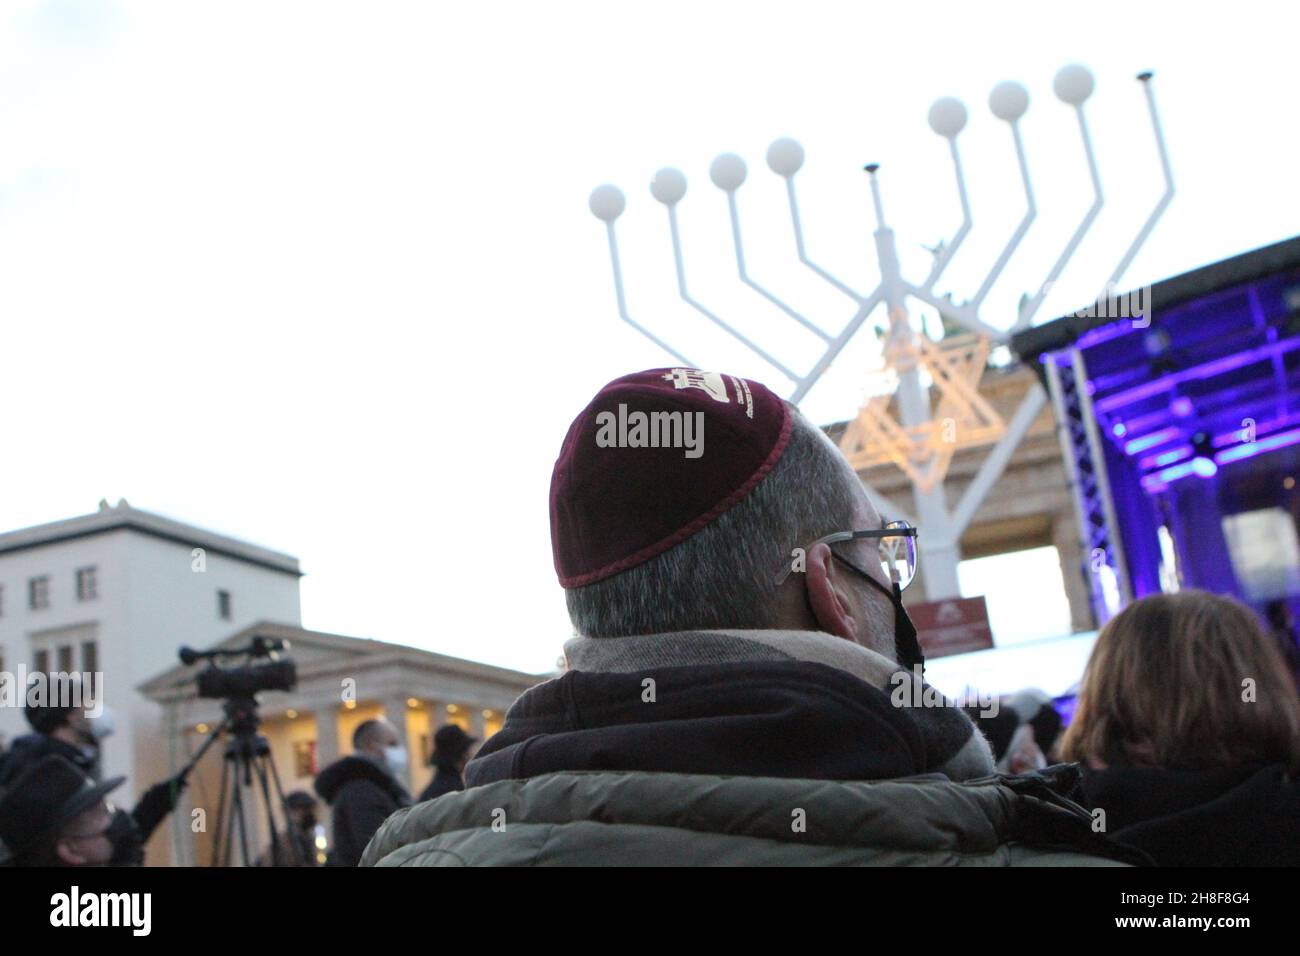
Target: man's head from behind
x=648, y=538
x=373, y=737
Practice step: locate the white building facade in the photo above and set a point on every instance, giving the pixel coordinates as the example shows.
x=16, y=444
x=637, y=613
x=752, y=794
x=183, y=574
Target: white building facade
x=118, y=592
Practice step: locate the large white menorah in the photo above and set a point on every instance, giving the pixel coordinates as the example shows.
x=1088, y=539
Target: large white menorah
x=916, y=444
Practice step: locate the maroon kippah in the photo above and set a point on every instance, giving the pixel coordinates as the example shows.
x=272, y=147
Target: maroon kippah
x=653, y=458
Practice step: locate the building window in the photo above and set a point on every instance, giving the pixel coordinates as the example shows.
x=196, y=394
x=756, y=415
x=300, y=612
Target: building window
x=89, y=656
x=223, y=605
x=65, y=658
x=42, y=659
x=38, y=593
x=87, y=584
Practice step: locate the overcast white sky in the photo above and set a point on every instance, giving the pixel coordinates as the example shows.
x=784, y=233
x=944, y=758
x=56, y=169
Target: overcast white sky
x=322, y=275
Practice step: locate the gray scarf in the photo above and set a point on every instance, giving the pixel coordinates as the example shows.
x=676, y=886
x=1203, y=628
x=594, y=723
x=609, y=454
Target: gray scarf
x=952, y=743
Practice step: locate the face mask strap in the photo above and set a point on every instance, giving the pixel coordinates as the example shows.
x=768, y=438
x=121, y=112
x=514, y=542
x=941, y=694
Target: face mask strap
x=906, y=644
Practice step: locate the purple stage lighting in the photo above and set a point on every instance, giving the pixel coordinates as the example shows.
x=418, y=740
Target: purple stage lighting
x=1138, y=445
x=1251, y=449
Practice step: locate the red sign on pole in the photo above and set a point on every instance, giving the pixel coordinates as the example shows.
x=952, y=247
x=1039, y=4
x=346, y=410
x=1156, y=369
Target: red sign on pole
x=954, y=626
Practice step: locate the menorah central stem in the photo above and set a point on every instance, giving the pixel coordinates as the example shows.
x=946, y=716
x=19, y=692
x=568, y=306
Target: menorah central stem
x=875, y=194
x=939, y=570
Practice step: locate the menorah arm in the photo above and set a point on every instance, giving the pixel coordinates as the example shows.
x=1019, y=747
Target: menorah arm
x=805, y=384
x=803, y=254
x=1031, y=307
x=949, y=249
x=744, y=273
x=1030, y=213
x=726, y=327
x=622, y=301
x=965, y=315
x=995, y=462
x=1165, y=199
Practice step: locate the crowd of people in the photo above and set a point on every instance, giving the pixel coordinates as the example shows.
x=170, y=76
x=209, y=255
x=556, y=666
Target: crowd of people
x=55, y=810
x=727, y=699
x=730, y=697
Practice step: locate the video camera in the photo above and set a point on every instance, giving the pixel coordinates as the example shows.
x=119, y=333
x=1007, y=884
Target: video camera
x=223, y=683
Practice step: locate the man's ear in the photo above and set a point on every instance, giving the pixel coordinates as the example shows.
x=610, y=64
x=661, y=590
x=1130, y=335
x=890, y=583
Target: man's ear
x=68, y=855
x=828, y=597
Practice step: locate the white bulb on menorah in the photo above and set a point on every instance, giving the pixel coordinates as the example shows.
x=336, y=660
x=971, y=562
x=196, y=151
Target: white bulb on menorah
x=907, y=426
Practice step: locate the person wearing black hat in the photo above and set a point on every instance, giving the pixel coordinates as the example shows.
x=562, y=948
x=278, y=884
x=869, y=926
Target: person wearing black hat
x=296, y=844
x=72, y=732
x=451, y=751
x=53, y=814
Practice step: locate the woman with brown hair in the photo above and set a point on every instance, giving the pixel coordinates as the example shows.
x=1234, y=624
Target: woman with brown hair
x=1188, y=729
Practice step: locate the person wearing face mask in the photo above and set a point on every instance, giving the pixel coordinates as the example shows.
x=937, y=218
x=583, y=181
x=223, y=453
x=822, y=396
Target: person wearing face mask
x=364, y=789
x=53, y=814
x=745, y=686
x=76, y=734
x=62, y=730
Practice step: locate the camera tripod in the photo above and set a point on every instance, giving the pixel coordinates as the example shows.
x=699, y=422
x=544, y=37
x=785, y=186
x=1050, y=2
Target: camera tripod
x=247, y=761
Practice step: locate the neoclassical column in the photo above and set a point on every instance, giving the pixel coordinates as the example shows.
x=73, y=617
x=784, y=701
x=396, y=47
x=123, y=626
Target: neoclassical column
x=327, y=736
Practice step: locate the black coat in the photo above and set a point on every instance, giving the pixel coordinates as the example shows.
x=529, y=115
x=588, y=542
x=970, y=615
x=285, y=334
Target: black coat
x=757, y=719
x=31, y=748
x=1244, y=816
x=158, y=801
x=445, y=780
x=361, y=795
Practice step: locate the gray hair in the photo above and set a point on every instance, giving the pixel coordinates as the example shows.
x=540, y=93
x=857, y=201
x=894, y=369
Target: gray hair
x=723, y=575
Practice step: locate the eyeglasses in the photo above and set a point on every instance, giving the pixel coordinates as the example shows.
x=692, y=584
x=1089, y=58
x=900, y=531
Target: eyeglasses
x=898, y=552
x=111, y=810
